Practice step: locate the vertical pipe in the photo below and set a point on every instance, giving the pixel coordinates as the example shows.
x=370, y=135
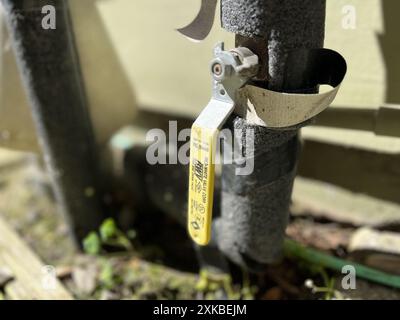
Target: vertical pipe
x=254, y=208
x=49, y=67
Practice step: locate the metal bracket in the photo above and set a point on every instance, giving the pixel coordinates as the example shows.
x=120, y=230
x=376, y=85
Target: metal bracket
x=231, y=70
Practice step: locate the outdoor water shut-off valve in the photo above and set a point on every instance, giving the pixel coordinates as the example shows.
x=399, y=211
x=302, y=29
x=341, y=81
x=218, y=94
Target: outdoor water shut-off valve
x=232, y=90
x=270, y=84
x=231, y=70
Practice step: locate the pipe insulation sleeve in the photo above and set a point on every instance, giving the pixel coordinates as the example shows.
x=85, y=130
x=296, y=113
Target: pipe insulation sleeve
x=286, y=25
x=255, y=208
x=49, y=66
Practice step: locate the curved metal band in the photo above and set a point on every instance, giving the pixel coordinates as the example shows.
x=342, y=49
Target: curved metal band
x=278, y=109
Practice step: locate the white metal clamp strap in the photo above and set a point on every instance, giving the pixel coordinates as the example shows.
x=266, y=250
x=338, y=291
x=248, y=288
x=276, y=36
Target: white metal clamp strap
x=231, y=70
x=278, y=109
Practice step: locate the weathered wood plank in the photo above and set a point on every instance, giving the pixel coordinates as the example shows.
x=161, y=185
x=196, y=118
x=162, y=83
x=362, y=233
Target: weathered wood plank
x=27, y=269
x=327, y=201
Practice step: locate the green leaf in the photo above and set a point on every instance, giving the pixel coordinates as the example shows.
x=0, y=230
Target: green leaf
x=108, y=229
x=92, y=244
x=107, y=276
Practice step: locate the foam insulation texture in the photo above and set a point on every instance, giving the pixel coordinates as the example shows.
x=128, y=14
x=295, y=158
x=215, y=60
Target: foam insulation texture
x=255, y=208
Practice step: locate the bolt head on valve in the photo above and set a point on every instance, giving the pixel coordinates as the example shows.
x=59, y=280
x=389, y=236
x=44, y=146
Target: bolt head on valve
x=220, y=70
x=217, y=69
x=233, y=68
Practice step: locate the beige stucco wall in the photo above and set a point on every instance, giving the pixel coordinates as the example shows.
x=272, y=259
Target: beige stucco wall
x=132, y=57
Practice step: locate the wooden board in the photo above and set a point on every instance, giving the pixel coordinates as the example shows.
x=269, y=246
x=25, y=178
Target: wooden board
x=27, y=269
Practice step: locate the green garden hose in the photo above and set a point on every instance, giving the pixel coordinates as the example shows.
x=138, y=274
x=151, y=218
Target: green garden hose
x=294, y=249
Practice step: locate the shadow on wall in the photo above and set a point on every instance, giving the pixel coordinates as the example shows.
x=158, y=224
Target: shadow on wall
x=372, y=173
x=16, y=126
x=111, y=97
x=368, y=172
x=390, y=46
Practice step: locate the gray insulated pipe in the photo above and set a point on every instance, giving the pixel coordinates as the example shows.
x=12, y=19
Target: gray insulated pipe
x=255, y=208
x=50, y=70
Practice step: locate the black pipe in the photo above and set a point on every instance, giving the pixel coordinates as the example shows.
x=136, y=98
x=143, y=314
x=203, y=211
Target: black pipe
x=49, y=66
x=254, y=208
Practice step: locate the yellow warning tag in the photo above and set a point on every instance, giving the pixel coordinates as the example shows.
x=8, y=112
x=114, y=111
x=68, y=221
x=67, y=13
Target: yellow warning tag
x=201, y=183
x=229, y=74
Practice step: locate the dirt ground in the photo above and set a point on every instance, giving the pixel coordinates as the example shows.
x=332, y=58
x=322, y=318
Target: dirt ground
x=140, y=266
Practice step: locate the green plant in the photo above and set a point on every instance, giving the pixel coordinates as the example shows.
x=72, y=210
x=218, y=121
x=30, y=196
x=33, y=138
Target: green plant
x=328, y=289
x=211, y=282
x=92, y=244
x=107, y=277
x=109, y=234
x=248, y=291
